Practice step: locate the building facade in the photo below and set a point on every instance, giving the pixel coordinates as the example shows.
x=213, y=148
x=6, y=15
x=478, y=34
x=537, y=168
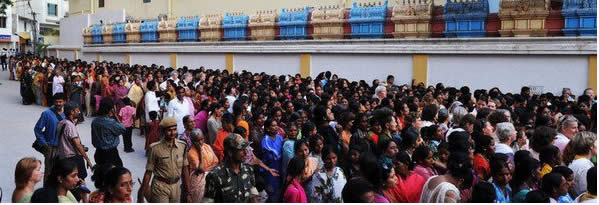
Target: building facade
x=39, y=18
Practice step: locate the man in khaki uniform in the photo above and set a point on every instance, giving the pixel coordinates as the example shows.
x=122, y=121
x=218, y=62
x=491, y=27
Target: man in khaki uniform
x=166, y=160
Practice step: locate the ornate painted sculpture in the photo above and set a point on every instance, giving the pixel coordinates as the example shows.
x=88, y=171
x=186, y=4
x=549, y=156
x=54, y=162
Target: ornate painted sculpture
x=412, y=18
x=523, y=18
x=263, y=25
x=118, y=33
x=133, y=32
x=580, y=17
x=211, y=27
x=87, y=35
x=367, y=20
x=167, y=30
x=328, y=22
x=187, y=28
x=96, y=31
x=107, y=33
x=235, y=26
x=465, y=18
x=293, y=23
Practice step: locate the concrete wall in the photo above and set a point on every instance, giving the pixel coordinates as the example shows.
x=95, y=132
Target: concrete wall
x=510, y=72
x=149, y=59
x=70, y=55
x=89, y=57
x=137, y=8
x=71, y=29
x=364, y=67
x=274, y=64
x=111, y=16
x=549, y=63
x=195, y=60
x=115, y=57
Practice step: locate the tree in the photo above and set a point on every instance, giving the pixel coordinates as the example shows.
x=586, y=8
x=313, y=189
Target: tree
x=4, y=5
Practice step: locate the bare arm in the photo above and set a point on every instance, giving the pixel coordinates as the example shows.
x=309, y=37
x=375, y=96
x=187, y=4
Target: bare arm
x=79, y=147
x=144, y=189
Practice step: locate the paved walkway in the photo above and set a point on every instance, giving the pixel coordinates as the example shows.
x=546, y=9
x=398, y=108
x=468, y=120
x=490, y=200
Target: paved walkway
x=16, y=136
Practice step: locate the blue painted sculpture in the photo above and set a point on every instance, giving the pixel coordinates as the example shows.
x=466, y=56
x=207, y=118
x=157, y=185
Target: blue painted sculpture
x=149, y=31
x=118, y=33
x=580, y=17
x=367, y=21
x=97, y=34
x=293, y=24
x=465, y=19
x=187, y=28
x=235, y=27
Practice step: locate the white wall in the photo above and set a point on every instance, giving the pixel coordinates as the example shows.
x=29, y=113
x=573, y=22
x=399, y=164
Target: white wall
x=364, y=67
x=195, y=60
x=88, y=57
x=107, y=17
x=273, y=64
x=70, y=55
x=52, y=52
x=71, y=30
x=510, y=72
x=114, y=57
x=148, y=59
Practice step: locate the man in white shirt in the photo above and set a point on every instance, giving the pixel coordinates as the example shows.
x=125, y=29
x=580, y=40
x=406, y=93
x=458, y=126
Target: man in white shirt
x=174, y=77
x=150, y=100
x=568, y=128
x=506, y=133
x=57, y=82
x=179, y=108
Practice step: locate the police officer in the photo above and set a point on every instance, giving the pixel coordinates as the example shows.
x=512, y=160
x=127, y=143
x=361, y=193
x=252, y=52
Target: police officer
x=166, y=160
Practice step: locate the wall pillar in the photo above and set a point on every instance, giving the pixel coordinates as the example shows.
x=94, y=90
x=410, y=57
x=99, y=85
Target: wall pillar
x=229, y=62
x=174, y=60
x=98, y=57
x=419, y=68
x=128, y=58
x=76, y=54
x=593, y=72
x=305, y=64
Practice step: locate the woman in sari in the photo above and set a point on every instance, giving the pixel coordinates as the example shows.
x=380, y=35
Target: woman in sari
x=409, y=184
x=446, y=188
x=272, y=145
x=201, y=161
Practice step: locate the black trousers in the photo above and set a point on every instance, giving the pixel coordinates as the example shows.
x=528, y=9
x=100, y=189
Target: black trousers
x=108, y=156
x=127, y=138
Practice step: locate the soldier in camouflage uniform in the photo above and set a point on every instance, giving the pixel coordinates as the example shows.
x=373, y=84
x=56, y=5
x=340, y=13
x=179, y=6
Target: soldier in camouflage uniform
x=232, y=181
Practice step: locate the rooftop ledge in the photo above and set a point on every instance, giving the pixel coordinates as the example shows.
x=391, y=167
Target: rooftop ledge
x=487, y=45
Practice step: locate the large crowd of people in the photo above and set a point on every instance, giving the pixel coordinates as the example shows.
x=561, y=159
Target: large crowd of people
x=215, y=136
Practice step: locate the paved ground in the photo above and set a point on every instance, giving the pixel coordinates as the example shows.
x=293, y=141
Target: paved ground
x=16, y=136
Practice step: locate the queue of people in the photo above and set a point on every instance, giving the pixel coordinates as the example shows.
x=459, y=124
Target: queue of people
x=215, y=136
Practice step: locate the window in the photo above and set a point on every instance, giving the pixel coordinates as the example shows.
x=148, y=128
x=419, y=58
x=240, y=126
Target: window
x=2, y=21
x=52, y=9
x=101, y=3
x=147, y=1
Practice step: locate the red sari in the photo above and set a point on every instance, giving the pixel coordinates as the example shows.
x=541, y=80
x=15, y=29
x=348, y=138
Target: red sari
x=408, y=190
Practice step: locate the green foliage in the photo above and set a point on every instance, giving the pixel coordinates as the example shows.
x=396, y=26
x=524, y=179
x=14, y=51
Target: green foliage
x=4, y=5
x=40, y=48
